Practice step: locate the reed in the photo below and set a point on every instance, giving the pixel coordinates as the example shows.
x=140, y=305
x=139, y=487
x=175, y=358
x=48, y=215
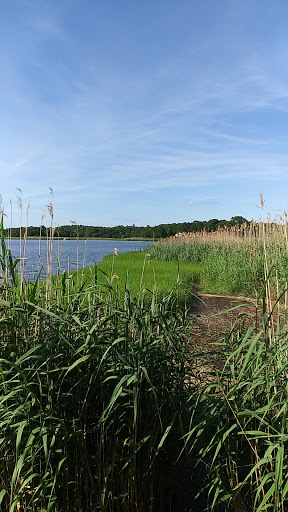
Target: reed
x=233, y=259
x=239, y=425
x=238, y=428
x=102, y=402
x=92, y=394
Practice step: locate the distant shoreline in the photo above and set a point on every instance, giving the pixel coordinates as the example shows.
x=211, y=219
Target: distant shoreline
x=132, y=239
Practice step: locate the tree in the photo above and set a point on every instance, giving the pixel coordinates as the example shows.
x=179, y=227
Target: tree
x=211, y=225
x=238, y=219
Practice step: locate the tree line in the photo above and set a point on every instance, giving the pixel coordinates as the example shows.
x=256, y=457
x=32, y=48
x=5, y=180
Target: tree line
x=154, y=232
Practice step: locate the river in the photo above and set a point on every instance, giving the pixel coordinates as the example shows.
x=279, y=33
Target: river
x=89, y=253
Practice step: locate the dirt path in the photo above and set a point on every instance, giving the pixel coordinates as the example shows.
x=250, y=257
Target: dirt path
x=215, y=315
x=212, y=317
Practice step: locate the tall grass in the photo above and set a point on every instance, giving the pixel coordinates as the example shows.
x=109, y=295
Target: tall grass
x=239, y=427
x=93, y=394
x=233, y=260
x=100, y=395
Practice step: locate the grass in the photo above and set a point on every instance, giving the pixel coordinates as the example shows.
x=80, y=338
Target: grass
x=239, y=427
x=138, y=271
x=239, y=422
x=101, y=400
x=233, y=261
x=93, y=392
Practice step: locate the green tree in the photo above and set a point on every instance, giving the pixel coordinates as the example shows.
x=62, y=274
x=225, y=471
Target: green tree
x=238, y=219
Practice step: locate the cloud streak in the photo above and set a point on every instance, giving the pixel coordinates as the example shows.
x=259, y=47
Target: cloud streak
x=106, y=108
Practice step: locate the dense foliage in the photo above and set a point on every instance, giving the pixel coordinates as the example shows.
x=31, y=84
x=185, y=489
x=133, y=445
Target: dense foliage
x=160, y=231
x=102, y=400
x=93, y=393
x=234, y=261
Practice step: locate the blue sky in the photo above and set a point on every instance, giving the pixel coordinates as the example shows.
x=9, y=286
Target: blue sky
x=143, y=112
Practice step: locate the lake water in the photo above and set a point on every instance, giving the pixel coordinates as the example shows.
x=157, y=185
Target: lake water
x=89, y=252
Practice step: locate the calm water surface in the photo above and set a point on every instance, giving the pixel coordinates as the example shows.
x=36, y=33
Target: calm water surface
x=89, y=252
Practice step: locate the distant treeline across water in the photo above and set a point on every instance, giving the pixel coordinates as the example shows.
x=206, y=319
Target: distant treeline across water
x=159, y=231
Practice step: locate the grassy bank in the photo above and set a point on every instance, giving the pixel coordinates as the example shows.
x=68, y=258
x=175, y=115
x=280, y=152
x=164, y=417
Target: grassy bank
x=235, y=261
x=226, y=268
x=138, y=271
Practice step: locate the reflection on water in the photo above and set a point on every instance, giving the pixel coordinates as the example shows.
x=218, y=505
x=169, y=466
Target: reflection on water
x=89, y=253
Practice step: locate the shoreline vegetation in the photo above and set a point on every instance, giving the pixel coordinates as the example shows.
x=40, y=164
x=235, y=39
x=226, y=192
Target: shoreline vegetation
x=125, y=232
x=137, y=271
x=108, y=403
x=234, y=261
x=90, y=383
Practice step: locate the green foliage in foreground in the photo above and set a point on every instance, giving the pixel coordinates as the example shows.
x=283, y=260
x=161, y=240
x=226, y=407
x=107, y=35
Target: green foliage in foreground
x=93, y=394
x=100, y=395
x=239, y=427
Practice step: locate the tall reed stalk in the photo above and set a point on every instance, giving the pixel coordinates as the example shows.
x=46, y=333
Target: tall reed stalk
x=92, y=394
x=236, y=260
x=101, y=397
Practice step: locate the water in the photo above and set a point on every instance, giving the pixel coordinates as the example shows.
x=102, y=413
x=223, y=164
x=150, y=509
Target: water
x=89, y=251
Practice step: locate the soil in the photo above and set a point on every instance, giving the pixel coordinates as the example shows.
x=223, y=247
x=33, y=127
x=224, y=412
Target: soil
x=216, y=315
x=213, y=316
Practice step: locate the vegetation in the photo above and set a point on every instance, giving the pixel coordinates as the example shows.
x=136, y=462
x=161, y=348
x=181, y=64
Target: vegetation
x=137, y=271
x=239, y=427
x=233, y=261
x=93, y=394
x=150, y=232
x=103, y=402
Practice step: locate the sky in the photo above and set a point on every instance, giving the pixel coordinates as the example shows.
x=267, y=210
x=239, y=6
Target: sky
x=143, y=112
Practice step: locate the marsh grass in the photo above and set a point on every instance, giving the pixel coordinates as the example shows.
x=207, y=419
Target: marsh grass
x=235, y=260
x=101, y=400
x=239, y=425
x=93, y=393
x=139, y=271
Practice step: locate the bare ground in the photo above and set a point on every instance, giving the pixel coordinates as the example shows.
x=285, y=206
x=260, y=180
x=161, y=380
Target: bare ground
x=215, y=315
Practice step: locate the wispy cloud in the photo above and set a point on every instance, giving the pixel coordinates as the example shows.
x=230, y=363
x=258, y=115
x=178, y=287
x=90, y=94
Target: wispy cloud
x=100, y=106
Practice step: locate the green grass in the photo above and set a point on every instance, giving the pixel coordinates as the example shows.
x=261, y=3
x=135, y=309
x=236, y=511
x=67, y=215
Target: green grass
x=227, y=267
x=99, y=393
x=92, y=394
x=239, y=427
x=136, y=271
